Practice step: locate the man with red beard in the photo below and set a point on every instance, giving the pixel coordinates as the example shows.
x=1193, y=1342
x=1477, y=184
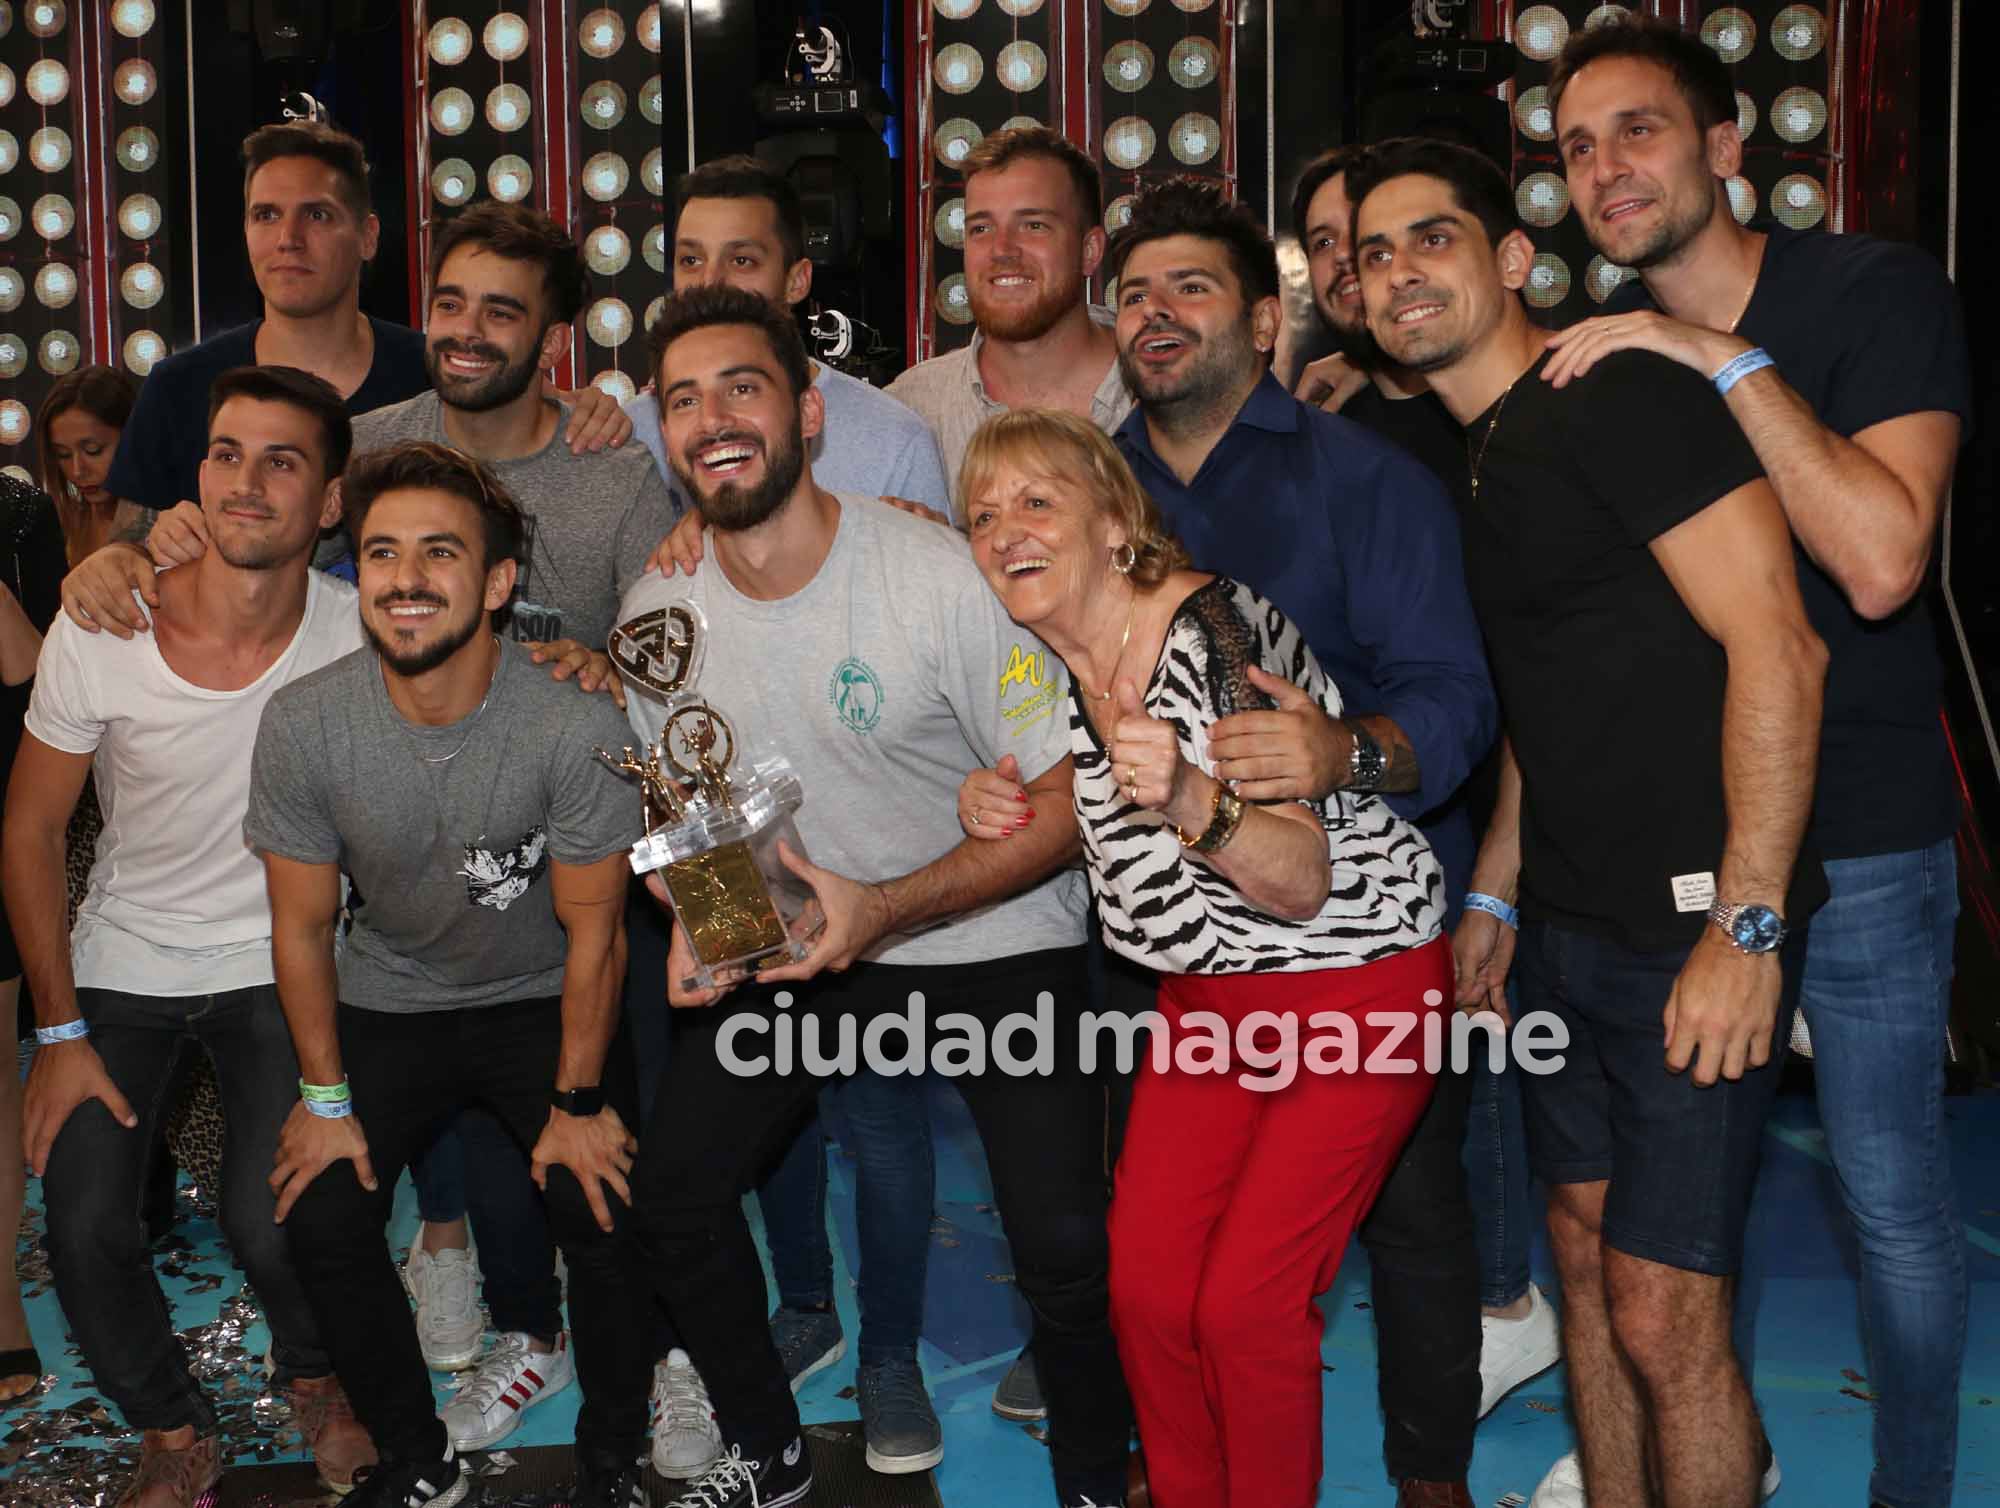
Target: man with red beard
x=1032, y=240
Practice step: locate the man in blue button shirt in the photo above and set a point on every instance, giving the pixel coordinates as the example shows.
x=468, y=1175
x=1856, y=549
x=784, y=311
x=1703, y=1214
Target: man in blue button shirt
x=1357, y=543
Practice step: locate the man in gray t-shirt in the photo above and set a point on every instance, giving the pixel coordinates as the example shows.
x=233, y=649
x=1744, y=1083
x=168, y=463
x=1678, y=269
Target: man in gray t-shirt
x=457, y=785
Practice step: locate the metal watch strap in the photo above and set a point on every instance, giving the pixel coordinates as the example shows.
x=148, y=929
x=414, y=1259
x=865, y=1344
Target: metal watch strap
x=1367, y=765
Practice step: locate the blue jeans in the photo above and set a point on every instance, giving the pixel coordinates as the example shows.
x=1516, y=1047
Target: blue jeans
x=1496, y=1179
x=890, y=1135
x=1876, y=994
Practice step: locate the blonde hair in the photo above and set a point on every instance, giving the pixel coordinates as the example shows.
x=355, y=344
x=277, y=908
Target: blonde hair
x=1048, y=442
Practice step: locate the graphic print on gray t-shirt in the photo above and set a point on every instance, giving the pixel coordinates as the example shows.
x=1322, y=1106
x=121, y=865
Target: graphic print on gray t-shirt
x=593, y=521
x=449, y=852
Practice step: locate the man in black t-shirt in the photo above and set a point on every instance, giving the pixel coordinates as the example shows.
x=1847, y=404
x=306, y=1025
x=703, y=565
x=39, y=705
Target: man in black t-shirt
x=1632, y=573
x=1845, y=365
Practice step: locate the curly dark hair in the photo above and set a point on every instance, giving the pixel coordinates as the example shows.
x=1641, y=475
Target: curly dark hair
x=424, y=465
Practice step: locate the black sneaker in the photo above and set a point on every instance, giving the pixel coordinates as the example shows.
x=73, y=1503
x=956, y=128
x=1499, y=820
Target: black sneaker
x=608, y=1483
x=1019, y=1396
x=435, y=1484
x=735, y=1481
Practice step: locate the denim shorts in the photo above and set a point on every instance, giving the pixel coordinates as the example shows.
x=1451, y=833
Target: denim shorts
x=1680, y=1159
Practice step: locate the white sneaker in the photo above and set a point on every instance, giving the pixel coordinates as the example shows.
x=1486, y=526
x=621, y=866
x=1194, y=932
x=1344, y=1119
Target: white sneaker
x=511, y=1378
x=449, y=1324
x=1512, y=1351
x=686, y=1438
x=1563, y=1486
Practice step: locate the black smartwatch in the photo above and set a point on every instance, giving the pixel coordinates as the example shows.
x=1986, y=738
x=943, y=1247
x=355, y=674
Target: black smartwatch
x=578, y=1101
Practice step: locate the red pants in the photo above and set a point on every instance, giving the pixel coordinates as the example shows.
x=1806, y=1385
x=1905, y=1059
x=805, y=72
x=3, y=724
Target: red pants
x=1233, y=1208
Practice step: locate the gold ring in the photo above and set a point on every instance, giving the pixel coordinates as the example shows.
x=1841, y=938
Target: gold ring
x=975, y=819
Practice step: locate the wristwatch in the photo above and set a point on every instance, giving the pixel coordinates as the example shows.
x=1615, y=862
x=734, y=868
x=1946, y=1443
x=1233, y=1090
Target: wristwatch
x=1367, y=766
x=1752, y=928
x=578, y=1101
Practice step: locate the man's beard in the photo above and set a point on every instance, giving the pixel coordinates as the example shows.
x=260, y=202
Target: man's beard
x=265, y=554
x=505, y=384
x=1031, y=321
x=733, y=508
x=414, y=662
x=1212, y=373
x=1675, y=233
x=1356, y=342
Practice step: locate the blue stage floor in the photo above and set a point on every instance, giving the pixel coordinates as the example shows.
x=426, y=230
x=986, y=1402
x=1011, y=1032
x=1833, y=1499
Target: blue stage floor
x=1811, y=1375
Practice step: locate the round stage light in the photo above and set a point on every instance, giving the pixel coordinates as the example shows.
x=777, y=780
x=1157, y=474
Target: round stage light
x=1607, y=15
x=1130, y=141
x=1194, y=138
x=648, y=29
x=602, y=105
x=609, y=322
x=6, y=17
x=954, y=303
x=1731, y=33
x=142, y=285
x=58, y=352
x=607, y=250
x=1021, y=67
x=617, y=385
x=1601, y=279
x=449, y=42
x=1746, y=115
x=654, y=248
x=505, y=37
x=1798, y=114
x=18, y=473
x=955, y=10
x=138, y=149
x=1020, y=122
x=604, y=176
x=1118, y=213
x=958, y=68
x=12, y=291
x=451, y=111
x=13, y=357
x=653, y=173
x=1533, y=116
x=1194, y=63
x=954, y=139
x=44, y=17
x=511, y=179
x=1742, y=200
x=135, y=81
x=1128, y=67
x=139, y=216
x=1126, y=7
x=649, y=99
x=1019, y=7
x=48, y=149
x=1540, y=31
x=13, y=422
x=48, y=82
x=1799, y=201
x=949, y=222
x=55, y=285
x=142, y=349
x=6, y=85
x=55, y=217
x=10, y=152
x=654, y=310
x=602, y=32
x=453, y=181
x=1798, y=33
x=132, y=18
x=508, y=107
x=1548, y=281
x=1541, y=199
x=10, y=218
x=1191, y=6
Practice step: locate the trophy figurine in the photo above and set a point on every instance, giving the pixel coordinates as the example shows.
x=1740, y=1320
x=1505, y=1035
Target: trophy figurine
x=714, y=819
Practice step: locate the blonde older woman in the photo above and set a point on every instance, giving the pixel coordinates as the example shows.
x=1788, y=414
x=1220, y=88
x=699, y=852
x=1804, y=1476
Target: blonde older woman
x=1236, y=1192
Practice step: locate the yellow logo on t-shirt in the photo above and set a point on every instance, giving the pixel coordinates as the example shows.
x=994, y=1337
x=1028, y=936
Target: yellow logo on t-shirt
x=1028, y=674
x=1024, y=669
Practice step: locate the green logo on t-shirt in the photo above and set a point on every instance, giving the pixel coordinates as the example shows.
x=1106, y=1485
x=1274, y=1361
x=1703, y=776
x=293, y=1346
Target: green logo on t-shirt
x=856, y=695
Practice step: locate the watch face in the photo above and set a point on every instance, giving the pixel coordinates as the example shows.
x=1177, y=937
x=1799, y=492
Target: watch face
x=1757, y=929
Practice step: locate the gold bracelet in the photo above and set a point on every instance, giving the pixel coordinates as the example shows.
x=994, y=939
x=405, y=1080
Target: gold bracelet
x=1225, y=816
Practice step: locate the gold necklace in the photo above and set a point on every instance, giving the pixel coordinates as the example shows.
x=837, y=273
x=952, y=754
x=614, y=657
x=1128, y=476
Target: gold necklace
x=1492, y=424
x=1123, y=639
x=1748, y=293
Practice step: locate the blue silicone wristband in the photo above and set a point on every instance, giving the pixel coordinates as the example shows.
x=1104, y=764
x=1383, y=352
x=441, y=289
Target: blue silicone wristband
x=1742, y=366
x=329, y=1110
x=69, y=1031
x=1492, y=905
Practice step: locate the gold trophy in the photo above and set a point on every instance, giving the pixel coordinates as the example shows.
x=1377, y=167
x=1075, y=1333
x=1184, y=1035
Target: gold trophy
x=713, y=821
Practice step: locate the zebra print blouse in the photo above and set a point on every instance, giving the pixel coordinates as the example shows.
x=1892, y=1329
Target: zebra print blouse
x=1165, y=908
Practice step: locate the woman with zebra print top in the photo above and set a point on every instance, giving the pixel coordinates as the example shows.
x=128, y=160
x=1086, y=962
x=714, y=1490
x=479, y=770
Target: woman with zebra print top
x=1287, y=931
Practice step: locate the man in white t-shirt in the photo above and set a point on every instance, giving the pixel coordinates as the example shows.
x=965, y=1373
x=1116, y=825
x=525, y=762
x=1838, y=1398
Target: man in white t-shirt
x=172, y=946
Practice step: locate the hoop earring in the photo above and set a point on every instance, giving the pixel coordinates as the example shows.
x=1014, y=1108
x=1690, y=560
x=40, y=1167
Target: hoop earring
x=1131, y=558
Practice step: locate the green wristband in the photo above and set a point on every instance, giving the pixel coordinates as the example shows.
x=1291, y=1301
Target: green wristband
x=324, y=1094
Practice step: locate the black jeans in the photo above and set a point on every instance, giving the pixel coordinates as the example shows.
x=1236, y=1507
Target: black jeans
x=95, y=1186
x=411, y=1075
x=1425, y=1289
x=714, y=1131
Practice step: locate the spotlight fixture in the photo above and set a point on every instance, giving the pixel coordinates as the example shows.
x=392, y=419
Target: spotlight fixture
x=949, y=222
x=1742, y=200
x=648, y=29
x=139, y=216
x=10, y=152
x=137, y=149
x=13, y=357
x=132, y=18
x=1195, y=138
x=955, y=10
x=653, y=173
x=53, y=216
x=55, y=285
x=604, y=176
x=10, y=218
x=1746, y=115
x=1798, y=33
x=13, y=421
x=617, y=385
x=449, y=42
x=954, y=302
x=505, y=37
x=1194, y=63
x=609, y=322
x=508, y=107
x=1602, y=278
x=48, y=82
x=954, y=139
x=1548, y=281
x=654, y=248
x=1799, y=201
x=602, y=32
x=11, y=290
x=135, y=81
x=958, y=68
x=58, y=352
x=602, y=105
x=142, y=349
x=1130, y=141
x=1128, y=66
x=649, y=99
x=1021, y=67
x=142, y=285
x=453, y=180
x=511, y=179
x=1533, y=116
x=1540, y=32
x=1542, y=199
x=44, y=17
x=1731, y=33
x=451, y=111
x=1798, y=115
x=607, y=250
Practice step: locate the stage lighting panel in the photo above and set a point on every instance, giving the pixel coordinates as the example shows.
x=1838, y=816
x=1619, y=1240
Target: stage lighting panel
x=137, y=149
x=54, y=217
x=1746, y=115
x=648, y=29
x=1731, y=32
x=449, y=42
x=654, y=310
x=654, y=248
x=1799, y=114
x=453, y=181
x=1128, y=66
x=650, y=100
x=1541, y=199
x=1019, y=8
x=955, y=10
x=44, y=17
x=13, y=355
x=1799, y=201
x=1798, y=33
x=47, y=82
x=505, y=37
x=1118, y=213
x=133, y=18
x=609, y=322
x=452, y=112
x=1607, y=15
x=653, y=173
x=1548, y=281
x=617, y=385
x=142, y=349
x=958, y=68
x=49, y=149
x=58, y=352
x=10, y=152
x=601, y=33
x=1194, y=63
x=508, y=107
x=1021, y=67
x=14, y=421
x=1192, y=5
x=1534, y=118
x=605, y=176
x=954, y=300
x=602, y=105
x=1603, y=278
x=1194, y=139
x=1018, y=122
x=10, y=218
x=954, y=139
x=6, y=85
x=1540, y=32
x=949, y=222
x=1126, y=7
x=55, y=285
x=135, y=81
x=142, y=285
x=139, y=216
x=12, y=290
x=511, y=179
x=1130, y=142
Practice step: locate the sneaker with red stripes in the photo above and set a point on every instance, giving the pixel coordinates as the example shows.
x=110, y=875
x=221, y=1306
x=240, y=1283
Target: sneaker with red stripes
x=511, y=1378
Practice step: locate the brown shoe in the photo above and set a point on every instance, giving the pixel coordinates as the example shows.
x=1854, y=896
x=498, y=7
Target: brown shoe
x=176, y=1467
x=340, y=1446
x=1414, y=1494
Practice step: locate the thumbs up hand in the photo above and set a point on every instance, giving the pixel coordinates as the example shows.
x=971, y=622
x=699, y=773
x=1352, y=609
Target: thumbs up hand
x=1146, y=758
